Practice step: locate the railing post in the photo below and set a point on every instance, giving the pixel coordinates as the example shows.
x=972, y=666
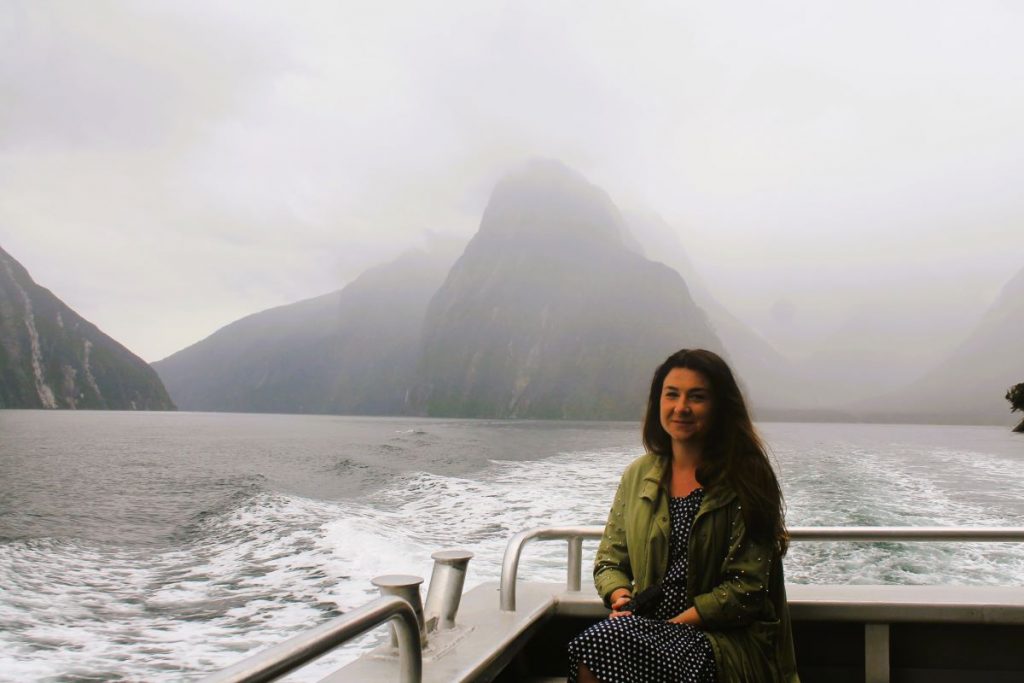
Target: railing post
x=575, y=562
x=407, y=587
x=510, y=570
x=876, y=653
x=510, y=563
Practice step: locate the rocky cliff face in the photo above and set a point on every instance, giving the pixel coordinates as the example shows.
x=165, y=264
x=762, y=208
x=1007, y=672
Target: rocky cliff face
x=50, y=357
x=551, y=312
x=349, y=352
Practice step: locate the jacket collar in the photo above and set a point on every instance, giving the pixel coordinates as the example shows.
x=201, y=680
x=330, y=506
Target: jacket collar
x=653, y=477
x=714, y=497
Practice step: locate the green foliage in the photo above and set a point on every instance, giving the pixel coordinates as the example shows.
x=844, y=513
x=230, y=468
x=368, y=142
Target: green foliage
x=1015, y=395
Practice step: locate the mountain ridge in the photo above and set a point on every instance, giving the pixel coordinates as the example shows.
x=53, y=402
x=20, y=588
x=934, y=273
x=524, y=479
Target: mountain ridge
x=350, y=351
x=51, y=357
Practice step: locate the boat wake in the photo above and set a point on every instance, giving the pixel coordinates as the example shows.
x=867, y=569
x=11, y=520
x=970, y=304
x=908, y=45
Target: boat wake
x=261, y=565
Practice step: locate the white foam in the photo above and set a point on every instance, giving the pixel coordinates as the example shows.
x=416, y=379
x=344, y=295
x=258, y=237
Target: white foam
x=279, y=565
x=267, y=571
x=899, y=485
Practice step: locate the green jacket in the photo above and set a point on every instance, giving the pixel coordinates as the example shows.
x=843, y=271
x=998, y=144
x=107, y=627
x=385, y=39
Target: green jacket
x=736, y=584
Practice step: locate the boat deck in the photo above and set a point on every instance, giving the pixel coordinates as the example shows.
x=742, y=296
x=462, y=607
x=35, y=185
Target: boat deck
x=842, y=633
x=512, y=631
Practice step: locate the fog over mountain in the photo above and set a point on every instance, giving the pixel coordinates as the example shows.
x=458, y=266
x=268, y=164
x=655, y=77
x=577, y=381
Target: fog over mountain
x=560, y=306
x=841, y=175
x=352, y=351
x=772, y=381
x=550, y=312
x=877, y=350
x=51, y=357
x=968, y=384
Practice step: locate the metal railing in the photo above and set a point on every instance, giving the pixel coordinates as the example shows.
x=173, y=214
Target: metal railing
x=900, y=534
x=510, y=563
x=399, y=603
x=575, y=535
x=285, y=657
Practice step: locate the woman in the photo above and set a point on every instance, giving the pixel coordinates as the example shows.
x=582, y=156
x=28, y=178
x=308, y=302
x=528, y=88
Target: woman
x=700, y=516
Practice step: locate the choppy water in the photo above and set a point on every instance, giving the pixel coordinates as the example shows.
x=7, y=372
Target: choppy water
x=150, y=546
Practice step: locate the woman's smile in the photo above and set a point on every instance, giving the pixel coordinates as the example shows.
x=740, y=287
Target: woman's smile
x=685, y=405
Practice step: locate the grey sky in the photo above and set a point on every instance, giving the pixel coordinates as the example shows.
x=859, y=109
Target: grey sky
x=168, y=167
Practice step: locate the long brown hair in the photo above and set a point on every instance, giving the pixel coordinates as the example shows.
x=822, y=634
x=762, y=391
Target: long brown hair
x=734, y=453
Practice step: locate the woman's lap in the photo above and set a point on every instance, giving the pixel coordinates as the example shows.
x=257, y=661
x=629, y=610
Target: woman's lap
x=639, y=649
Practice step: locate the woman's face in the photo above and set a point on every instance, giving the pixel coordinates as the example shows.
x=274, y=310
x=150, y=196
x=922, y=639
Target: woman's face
x=686, y=404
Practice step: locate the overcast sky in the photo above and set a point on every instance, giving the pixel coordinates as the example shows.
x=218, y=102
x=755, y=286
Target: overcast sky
x=169, y=167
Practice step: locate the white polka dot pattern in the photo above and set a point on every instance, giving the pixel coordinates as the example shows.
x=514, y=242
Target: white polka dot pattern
x=636, y=649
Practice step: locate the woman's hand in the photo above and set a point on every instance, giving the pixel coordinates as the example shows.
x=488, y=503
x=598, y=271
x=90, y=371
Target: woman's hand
x=690, y=618
x=620, y=597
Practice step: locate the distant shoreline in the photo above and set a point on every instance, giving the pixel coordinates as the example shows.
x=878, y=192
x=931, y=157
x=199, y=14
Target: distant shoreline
x=822, y=416
x=851, y=417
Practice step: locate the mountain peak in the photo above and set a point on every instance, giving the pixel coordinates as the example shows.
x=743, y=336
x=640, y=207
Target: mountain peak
x=544, y=201
x=549, y=313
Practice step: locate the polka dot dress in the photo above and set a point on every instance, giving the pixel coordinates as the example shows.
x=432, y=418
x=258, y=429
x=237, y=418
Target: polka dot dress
x=648, y=650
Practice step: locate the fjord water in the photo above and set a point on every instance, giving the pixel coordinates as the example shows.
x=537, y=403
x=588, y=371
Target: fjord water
x=162, y=546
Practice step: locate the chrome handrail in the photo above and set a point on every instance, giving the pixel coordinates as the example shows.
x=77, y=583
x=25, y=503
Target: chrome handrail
x=909, y=534
x=575, y=535
x=510, y=562
x=285, y=657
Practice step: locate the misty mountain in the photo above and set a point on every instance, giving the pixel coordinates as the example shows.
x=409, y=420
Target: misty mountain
x=51, y=357
x=970, y=383
x=551, y=312
x=352, y=351
x=877, y=350
x=772, y=381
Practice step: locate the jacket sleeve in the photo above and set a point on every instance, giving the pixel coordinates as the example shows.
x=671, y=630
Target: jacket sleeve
x=741, y=595
x=611, y=564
